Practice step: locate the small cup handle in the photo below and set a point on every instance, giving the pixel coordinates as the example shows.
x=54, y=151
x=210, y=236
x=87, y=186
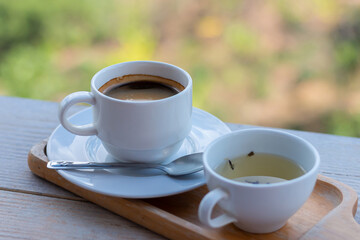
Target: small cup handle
x=66, y=103
x=206, y=208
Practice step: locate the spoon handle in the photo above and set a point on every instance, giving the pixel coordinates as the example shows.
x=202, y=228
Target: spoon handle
x=58, y=165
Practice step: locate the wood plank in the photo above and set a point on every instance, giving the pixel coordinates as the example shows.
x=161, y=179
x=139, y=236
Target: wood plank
x=25, y=122
x=26, y=216
x=329, y=209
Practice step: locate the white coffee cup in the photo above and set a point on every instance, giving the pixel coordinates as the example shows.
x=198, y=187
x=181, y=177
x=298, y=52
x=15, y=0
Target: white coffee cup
x=135, y=131
x=257, y=208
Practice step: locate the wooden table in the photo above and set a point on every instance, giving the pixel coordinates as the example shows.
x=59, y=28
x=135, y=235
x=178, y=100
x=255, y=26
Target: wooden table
x=32, y=208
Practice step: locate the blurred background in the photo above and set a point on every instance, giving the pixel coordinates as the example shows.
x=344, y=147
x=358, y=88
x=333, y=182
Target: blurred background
x=288, y=64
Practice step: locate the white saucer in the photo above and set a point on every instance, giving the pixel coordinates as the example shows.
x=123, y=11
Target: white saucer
x=127, y=183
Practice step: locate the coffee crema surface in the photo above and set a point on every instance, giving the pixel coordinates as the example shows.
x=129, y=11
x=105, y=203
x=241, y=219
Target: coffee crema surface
x=141, y=87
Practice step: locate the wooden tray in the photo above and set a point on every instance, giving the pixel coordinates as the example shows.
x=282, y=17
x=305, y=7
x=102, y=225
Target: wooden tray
x=328, y=214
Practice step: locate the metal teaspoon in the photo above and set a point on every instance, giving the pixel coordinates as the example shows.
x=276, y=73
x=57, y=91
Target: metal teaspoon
x=182, y=166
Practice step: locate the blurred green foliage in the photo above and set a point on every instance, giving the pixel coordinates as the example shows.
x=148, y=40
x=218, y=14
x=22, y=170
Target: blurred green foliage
x=270, y=63
x=33, y=34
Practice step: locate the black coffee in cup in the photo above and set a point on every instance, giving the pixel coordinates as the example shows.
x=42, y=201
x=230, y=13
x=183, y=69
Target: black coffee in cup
x=140, y=87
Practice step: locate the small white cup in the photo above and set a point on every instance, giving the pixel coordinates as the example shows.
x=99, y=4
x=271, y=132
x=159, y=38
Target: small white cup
x=257, y=208
x=135, y=131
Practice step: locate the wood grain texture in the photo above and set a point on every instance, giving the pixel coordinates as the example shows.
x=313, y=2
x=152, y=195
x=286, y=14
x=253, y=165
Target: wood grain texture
x=25, y=122
x=340, y=220
x=329, y=210
x=27, y=216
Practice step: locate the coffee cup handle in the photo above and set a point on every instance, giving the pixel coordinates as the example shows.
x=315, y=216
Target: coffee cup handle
x=207, y=206
x=66, y=103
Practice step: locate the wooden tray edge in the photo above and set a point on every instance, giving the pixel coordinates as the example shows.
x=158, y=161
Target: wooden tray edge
x=339, y=223
x=146, y=215
x=329, y=227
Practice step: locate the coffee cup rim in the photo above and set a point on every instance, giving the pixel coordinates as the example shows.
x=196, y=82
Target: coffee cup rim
x=313, y=170
x=187, y=88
